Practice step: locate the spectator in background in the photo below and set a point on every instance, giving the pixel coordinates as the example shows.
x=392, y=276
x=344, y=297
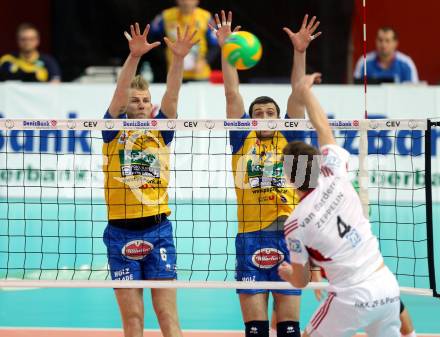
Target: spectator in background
x=28, y=65
x=186, y=13
x=386, y=64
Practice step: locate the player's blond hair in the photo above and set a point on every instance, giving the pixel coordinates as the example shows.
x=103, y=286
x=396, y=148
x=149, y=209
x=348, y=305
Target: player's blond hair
x=139, y=83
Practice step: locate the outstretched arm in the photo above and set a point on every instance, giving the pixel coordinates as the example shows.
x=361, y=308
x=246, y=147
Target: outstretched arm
x=314, y=110
x=180, y=48
x=139, y=46
x=300, y=42
x=234, y=101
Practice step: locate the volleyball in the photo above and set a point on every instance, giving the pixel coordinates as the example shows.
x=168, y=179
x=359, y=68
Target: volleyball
x=242, y=50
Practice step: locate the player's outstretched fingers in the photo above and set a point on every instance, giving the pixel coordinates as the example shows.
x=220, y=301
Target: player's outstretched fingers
x=138, y=30
x=185, y=35
x=128, y=36
x=229, y=20
x=236, y=29
x=217, y=21
x=315, y=26
x=312, y=37
x=154, y=45
x=306, y=18
x=310, y=25
x=288, y=31
x=212, y=28
x=317, y=78
x=223, y=17
x=146, y=30
x=167, y=42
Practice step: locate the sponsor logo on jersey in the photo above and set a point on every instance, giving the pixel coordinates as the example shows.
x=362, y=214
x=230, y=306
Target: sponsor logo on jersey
x=138, y=162
x=267, y=258
x=295, y=245
x=137, y=249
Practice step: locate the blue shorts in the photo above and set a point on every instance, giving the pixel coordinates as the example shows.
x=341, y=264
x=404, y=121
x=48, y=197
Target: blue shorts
x=258, y=256
x=141, y=255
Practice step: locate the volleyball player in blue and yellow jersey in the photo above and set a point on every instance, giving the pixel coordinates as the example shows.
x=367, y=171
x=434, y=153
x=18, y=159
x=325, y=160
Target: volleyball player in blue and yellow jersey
x=139, y=235
x=186, y=13
x=264, y=200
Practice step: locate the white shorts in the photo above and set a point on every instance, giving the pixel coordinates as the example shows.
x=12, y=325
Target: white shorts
x=373, y=305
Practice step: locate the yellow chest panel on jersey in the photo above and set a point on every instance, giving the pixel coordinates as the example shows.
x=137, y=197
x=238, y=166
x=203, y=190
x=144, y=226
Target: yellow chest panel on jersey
x=136, y=171
x=262, y=192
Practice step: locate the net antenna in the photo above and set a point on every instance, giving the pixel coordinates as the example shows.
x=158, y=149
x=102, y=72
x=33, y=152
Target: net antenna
x=363, y=177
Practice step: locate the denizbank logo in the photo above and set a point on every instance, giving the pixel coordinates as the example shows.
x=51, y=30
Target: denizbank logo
x=237, y=123
x=37, y=124
x=136, y=124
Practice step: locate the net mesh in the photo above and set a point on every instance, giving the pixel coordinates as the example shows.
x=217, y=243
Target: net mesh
x=53, y=211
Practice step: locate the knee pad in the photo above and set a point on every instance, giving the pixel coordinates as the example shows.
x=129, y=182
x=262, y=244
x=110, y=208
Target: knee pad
x=257, y=328
x=288, y=329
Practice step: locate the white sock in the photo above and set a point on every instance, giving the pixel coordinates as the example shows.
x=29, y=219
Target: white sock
x=412, y=334
x=273, y=333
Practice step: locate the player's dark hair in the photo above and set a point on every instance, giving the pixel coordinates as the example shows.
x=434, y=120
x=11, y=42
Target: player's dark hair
x=389, y=29
x=302, y=159
x=263, y=100
x=25, y=26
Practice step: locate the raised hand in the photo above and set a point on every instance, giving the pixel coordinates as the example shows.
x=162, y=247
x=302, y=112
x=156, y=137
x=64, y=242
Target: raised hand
x=304, y=36
x=137, y=42
x=307, y=81
x=305, y=84
x=183, y=44
x=223, y=29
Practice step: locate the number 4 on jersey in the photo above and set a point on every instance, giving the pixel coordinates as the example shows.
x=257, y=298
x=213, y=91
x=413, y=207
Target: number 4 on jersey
x=343, y=228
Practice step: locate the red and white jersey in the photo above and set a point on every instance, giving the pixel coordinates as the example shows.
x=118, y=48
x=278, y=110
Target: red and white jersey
x=329, y=228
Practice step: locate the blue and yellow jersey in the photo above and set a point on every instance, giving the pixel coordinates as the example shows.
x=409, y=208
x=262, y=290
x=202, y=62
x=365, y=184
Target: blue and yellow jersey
x=43, y=68
x=166, y=24
x=263, y=194
x=136, y=171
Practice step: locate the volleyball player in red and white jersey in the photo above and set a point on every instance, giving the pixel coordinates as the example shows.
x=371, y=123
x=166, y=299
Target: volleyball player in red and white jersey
x=328, y=229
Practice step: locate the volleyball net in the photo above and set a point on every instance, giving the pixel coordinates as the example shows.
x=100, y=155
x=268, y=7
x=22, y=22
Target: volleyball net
x=53, y=209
